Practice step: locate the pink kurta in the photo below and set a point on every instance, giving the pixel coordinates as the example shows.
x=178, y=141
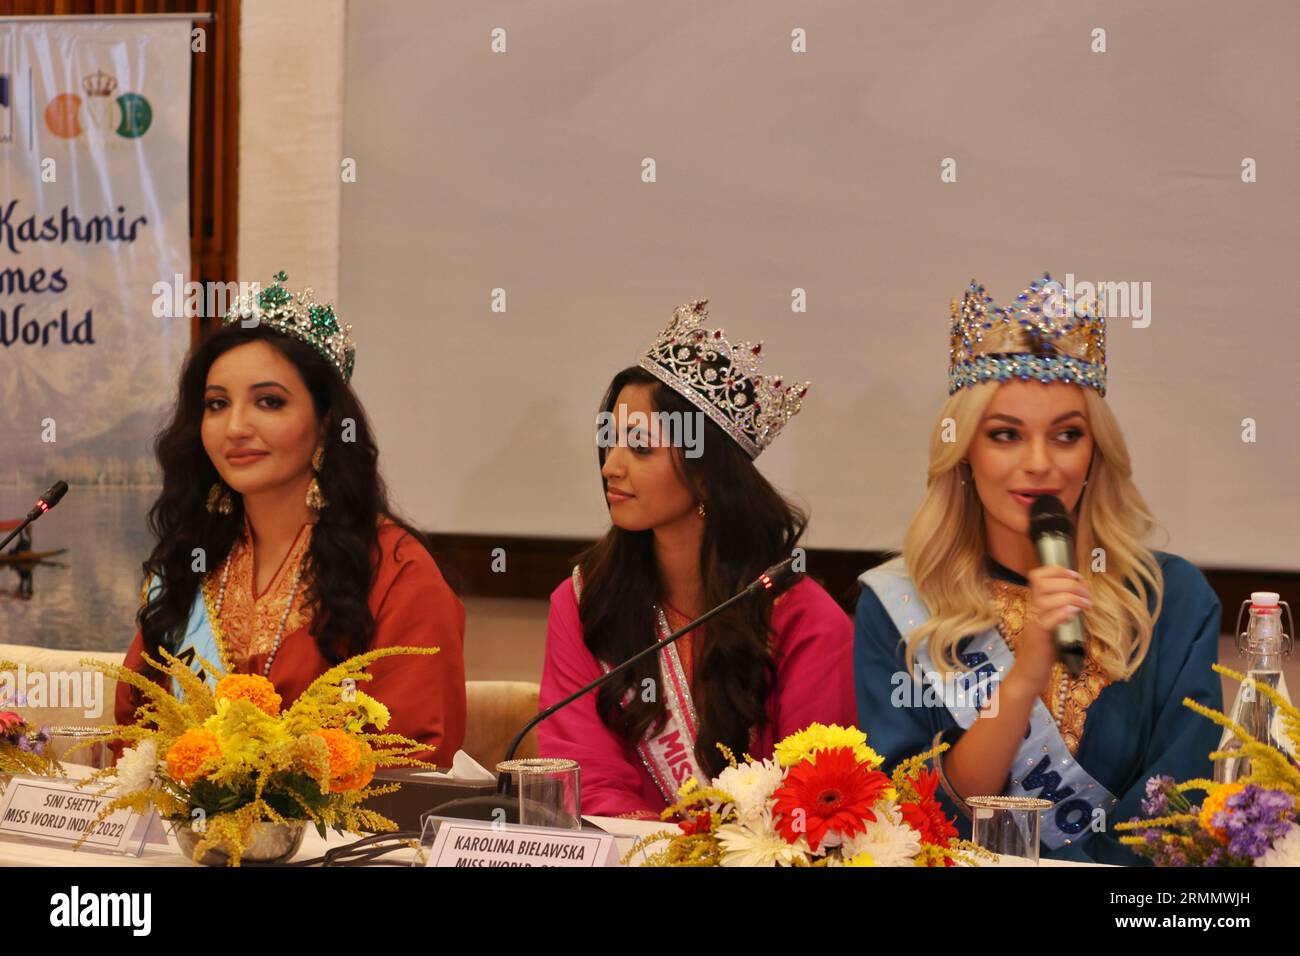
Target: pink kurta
x=812, y=648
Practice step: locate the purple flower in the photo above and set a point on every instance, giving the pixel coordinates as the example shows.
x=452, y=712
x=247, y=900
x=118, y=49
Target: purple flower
x=1157, y=798
x=32, y=743
x=1254, y=818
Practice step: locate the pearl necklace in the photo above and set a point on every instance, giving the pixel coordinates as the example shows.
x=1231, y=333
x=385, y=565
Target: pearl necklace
x=279, y=631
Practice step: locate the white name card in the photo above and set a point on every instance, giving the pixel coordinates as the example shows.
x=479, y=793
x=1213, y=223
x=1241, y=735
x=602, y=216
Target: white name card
x=55, y=811
x=474, y=843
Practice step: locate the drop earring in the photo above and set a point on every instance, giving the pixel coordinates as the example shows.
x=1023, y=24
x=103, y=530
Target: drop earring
x=315, y=497
x=699, y=510
x=219, y=500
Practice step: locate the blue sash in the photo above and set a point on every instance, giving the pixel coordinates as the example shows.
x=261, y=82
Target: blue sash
x=1043, y=766
x=199, y=640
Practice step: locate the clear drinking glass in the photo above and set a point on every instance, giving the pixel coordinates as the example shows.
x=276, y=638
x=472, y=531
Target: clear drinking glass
x=1008, y=826
x=548, y=791
x=97, y=756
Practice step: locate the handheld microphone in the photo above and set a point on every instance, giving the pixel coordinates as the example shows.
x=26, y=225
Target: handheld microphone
x=43, y=504
x=506, y=805
x=1053, y=537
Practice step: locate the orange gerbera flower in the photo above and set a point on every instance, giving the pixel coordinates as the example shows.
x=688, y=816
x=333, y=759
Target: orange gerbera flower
x=344, y=750
x=833, y=795
x=189, y=752
x=251, y=687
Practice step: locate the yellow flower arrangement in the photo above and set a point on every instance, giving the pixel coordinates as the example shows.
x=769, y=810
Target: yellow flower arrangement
x=234, y=757
x=1178, y=832
x=823, y=801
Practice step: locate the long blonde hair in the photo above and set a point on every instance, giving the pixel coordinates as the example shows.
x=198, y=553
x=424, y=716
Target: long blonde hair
x=945, y=548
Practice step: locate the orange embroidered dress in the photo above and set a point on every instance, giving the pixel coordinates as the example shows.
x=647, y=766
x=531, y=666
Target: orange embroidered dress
x=237, y=629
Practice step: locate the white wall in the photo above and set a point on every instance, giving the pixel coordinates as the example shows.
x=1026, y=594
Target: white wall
x=775, y=170
x=290, y=140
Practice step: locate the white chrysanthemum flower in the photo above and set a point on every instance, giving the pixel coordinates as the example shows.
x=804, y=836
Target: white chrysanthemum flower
x=1285, y=850
x=137, y=768
x=889, y=841
x=751, y=785
x=756, y=843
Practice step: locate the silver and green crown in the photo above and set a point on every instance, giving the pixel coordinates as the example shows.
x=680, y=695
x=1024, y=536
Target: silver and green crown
x=1046, y=336
x=300, y=315
x=722, y=380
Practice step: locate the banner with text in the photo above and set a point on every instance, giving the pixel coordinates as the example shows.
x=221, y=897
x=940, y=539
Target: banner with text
x=94, y=212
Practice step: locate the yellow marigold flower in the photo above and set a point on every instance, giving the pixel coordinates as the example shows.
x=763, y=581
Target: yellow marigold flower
x=862, y=859
x=1215, y=802
x=802, y=746
x=251, y=687
x=345, y=751
x=189, y=752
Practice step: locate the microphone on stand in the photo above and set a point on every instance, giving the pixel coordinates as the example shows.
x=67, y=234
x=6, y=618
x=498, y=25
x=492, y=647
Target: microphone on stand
x=1053, y=537
x=504, y=804
x=43, y=504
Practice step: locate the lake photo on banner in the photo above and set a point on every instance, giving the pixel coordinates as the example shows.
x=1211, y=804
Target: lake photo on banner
x=86, y=597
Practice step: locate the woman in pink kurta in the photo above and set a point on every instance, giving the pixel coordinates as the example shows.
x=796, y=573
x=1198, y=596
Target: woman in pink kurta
x=812, y=647
x=693, y=522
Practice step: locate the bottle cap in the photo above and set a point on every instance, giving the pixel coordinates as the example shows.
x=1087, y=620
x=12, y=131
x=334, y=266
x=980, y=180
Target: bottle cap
x=1263, y=598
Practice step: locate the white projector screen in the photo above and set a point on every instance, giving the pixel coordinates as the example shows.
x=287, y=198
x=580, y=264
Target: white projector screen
x=822, y=170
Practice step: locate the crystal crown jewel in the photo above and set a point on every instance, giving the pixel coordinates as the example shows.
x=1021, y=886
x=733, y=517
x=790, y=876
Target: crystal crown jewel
x=723, y=380
x=300, y=315
x=1046, y=335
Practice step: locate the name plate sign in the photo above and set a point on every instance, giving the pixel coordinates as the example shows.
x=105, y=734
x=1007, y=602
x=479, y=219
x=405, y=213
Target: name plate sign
x=55, y=811
x=476, y=843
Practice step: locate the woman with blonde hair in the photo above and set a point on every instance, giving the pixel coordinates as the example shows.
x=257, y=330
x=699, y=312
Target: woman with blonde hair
x=954, y=639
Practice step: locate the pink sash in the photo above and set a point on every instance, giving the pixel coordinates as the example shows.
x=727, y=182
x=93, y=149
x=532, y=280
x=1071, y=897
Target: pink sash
x=668, y=755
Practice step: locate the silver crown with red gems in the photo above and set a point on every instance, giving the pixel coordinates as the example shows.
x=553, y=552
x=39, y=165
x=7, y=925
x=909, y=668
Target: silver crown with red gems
x=722, y=380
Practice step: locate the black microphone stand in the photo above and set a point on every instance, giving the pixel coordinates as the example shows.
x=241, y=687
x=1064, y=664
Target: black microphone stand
x=43, y=504
x=503, y=802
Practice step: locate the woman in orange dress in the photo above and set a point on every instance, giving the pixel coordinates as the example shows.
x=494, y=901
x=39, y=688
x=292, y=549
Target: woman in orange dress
x=277, y=552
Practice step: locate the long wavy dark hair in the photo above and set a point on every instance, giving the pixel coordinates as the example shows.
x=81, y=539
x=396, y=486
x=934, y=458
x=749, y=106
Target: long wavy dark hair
x=342, y=558
x=749, y=527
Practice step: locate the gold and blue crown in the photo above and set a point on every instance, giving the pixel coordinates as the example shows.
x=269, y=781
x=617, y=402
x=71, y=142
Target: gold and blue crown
x=1046, y=336
x=722, y=380
x=300, y=315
